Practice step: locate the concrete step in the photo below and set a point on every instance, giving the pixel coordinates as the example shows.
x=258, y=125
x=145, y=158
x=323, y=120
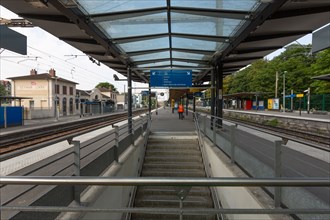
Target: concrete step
x=173, y=159
x=173, y=173
x=174, y=143
x=171, y=201
x=171, y=190
x=170, y=165
x=142, y=216
x=169, y=152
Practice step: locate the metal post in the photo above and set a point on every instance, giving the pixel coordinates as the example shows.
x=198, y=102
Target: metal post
x=187, y=102
x=194, y=104
x=284, y=91
x=232, y=143
x=308, y=100
x=291, y=100
x=115, y=148
x=76, y=148
x=129, y=99
x=276, y=84
x=5, y=116
x=181, y=206
x=219, y=95
x=278, y=171
x=149, y=100
x=212, y=97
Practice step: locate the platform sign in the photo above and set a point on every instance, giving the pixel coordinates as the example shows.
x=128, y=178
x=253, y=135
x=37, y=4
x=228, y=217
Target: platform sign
x=270, y=104
x=276, y=104
x=300, y=95
x=170, y=78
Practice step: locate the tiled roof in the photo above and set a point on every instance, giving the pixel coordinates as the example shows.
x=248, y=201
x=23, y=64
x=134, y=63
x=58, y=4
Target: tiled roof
x=41, y=76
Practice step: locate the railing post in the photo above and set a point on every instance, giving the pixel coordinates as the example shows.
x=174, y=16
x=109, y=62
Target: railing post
x=232, y=143
x=142, y=120
x=214, y=132
x=278, y=171
x=115, y=148
x=76, y=149
x=132, y=133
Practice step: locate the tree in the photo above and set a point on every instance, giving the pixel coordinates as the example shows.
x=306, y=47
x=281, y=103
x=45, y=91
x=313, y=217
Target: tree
x=3, y=91
x=295, y=60
x=106, y=85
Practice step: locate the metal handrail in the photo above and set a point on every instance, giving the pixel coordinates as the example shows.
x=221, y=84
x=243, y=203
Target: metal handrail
x=163, y=181
x=175, y=211
x=216, y=200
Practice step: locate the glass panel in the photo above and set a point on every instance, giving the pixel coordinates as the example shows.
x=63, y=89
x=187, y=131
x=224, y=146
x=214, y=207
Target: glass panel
x=145, y=45
x=159, y=55
x=195, y=24
x=104, y=6
x=246, y=5
x=179, y=63
x=155, y=64
x=136, y=26
x=195, y=44
x=195, y=56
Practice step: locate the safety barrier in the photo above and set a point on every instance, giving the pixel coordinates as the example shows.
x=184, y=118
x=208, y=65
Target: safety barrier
x=85, y=155
x=234, y=142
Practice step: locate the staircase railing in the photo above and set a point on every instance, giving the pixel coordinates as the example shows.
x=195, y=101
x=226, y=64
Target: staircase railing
x=215, y=198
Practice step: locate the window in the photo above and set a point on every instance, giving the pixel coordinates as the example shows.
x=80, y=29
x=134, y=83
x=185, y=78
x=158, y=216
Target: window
x=64, y=90
x=71, y=90
x=57, y=89
x=31, y=104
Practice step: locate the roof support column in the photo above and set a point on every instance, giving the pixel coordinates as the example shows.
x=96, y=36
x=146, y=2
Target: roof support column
x=219, y=93
x=149, y=102
x=129, y=99
x=212, y=92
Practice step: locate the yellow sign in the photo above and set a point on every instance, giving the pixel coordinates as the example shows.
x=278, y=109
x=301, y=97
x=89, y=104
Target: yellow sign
x=270, y=103
x=195, y=90
x=300, y=95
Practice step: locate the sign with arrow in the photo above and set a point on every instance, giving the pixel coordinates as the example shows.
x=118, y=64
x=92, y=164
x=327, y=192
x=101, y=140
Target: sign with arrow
x=170, y=78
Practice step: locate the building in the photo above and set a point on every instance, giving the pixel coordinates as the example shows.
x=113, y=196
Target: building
x=95, y=101
x=111, y=94
x=47, y=91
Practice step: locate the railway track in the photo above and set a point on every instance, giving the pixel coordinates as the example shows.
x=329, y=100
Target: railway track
x=15, y=141
x=315, y=140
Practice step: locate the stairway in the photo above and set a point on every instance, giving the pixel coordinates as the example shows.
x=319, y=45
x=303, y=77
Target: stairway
x=172, y=157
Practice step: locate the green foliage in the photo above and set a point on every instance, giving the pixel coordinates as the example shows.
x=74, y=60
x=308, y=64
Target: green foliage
x=107, y=86
x=274, y=122
x=3, y=91
x=299, y=65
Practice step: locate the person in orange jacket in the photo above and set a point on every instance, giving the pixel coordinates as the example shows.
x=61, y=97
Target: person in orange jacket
x=180, y=111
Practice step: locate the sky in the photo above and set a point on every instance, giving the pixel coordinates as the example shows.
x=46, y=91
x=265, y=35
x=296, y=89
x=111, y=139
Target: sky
x=45, y=51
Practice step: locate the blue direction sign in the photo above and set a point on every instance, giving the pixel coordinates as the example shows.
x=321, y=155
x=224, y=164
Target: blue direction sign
x=290, y=96
x=170, y=78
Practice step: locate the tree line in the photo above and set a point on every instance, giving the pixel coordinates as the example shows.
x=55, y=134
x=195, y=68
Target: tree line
x=299, y=66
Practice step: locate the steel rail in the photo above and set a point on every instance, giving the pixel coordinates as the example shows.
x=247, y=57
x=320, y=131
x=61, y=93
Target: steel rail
x=177, y=211
x=66, y=130
x=267, y=130
x=163, y=181
x=281, y=132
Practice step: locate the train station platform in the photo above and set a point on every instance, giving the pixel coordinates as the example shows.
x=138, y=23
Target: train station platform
x=166, y=121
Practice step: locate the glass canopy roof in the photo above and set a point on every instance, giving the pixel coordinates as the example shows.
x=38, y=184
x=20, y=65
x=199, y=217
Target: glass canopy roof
x=156, y=33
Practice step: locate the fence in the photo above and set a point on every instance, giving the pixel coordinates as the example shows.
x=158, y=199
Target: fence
x=258, y=163
x=11, y=116
x=85, y=156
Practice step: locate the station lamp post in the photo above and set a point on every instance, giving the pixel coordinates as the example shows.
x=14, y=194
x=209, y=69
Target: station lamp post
x=284, y=91
x=308, y=91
